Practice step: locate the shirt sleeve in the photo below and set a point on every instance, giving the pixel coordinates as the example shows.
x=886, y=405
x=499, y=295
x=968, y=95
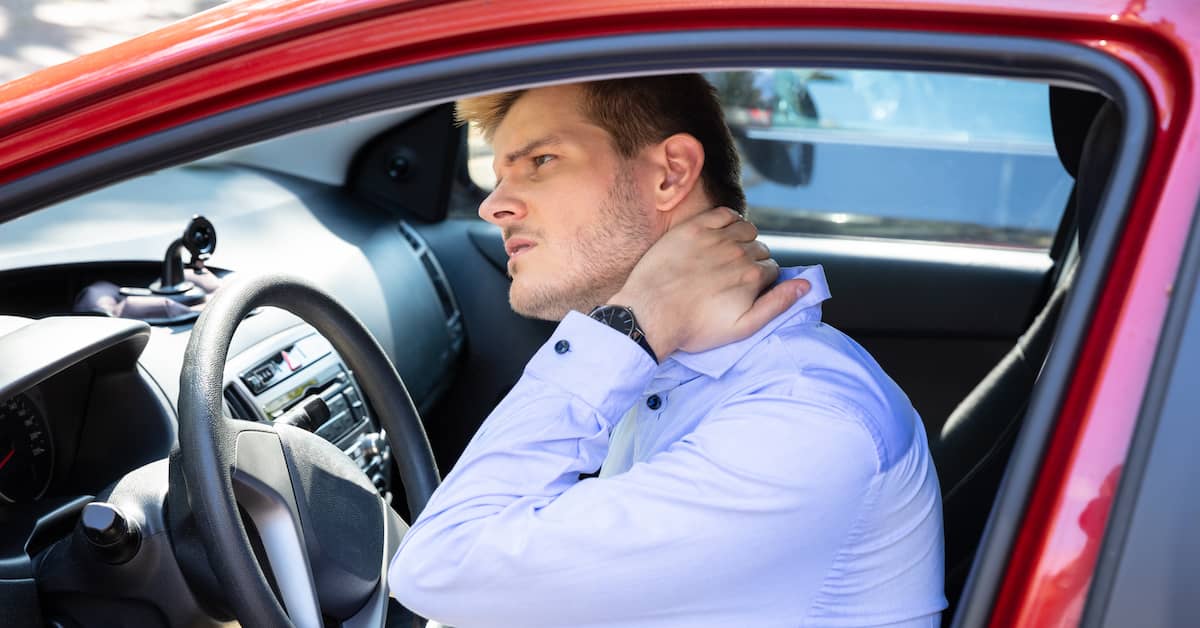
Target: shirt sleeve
x=749, y=509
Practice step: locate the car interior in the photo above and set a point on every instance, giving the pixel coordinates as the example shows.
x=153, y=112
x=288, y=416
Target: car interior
x=949, y=232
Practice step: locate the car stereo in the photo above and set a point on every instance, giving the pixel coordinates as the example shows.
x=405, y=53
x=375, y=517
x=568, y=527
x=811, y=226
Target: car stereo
x=265, y=381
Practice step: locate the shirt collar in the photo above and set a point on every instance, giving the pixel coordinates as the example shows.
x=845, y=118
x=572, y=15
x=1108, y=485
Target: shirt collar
x=715, y=362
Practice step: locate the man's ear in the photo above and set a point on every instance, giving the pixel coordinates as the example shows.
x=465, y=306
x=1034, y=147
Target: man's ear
x=679, y=158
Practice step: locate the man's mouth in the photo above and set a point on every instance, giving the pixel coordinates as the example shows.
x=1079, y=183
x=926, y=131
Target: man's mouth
x=517, y=246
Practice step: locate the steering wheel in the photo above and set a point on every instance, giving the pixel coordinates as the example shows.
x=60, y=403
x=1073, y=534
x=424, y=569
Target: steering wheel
x=326, y=534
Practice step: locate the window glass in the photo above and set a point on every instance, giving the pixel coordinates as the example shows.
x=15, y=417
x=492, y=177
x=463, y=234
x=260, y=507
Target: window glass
x=910, y=155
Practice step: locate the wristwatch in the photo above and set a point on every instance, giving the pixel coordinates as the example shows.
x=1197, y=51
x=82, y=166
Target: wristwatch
x=621, y=318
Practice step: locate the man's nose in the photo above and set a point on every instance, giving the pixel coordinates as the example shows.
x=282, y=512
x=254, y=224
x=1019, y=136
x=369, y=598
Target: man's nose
x=502, y=206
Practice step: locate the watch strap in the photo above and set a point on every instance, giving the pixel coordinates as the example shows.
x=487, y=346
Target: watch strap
x=640, y=337
x=636, y=334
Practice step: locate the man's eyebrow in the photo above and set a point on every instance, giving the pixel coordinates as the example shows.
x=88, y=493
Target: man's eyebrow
x=530, y=147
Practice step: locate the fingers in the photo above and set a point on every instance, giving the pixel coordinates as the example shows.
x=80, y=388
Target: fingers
x=717, y=218
x=740, y=231
x=756, y=250
x=763, y=273
x=733, y=246
x=771, y=304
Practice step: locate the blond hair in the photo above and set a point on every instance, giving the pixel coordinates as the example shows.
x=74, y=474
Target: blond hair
x=640, y=111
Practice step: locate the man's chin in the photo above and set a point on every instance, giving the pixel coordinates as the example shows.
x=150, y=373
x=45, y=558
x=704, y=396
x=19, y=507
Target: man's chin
x=537, y=306
x=552, y=301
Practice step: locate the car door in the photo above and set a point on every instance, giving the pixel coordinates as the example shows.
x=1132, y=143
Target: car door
x=1146, y=555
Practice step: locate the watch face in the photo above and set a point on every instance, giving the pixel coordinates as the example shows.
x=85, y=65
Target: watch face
x=617, y=317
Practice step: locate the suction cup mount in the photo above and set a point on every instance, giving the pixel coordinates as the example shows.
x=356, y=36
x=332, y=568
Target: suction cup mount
x=200, y=240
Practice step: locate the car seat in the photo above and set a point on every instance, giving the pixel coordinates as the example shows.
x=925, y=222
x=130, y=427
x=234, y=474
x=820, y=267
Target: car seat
x=972, y=450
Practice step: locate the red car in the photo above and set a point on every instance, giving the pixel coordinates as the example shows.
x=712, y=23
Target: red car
x=1003, y=195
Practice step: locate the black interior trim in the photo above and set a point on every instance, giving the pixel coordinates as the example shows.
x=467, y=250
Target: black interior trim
x=1120, y=519
x=663, y=52
x=50, y=345
x=408, y=169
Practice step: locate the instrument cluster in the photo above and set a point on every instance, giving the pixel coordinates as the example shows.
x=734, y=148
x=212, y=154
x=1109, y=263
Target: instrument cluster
x=26, y=448
x=42, y=429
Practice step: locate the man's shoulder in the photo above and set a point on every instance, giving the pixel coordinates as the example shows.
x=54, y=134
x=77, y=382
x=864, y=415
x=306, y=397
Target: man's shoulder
x=813, y=352
x=816, y=366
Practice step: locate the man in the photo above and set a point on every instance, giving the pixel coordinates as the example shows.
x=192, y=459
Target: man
x=757, y=467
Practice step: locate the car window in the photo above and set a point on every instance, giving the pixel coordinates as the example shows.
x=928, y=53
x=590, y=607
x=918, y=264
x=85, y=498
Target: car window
x=870, y=153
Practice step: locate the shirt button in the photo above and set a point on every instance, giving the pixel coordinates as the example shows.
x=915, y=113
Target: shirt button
x=561, y=347
x=654, y=402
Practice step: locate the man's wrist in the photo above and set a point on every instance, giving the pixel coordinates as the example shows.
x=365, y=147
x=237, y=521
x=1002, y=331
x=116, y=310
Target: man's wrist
x=621, y=319
x=657, y=338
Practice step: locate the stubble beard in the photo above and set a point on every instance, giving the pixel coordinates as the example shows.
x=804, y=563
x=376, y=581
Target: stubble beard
x=602, y=256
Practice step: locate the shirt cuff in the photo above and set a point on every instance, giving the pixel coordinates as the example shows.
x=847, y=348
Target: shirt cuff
x=594, y=362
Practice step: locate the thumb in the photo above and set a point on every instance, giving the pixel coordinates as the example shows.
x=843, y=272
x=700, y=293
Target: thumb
x=772, y=303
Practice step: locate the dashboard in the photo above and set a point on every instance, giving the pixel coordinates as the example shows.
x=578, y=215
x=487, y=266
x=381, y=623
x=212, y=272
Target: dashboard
x=86, y=399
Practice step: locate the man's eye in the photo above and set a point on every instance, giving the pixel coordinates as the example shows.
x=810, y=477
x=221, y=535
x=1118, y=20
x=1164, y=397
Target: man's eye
x=542, y=160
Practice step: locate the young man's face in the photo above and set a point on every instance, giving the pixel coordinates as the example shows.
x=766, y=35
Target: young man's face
x=574, y=216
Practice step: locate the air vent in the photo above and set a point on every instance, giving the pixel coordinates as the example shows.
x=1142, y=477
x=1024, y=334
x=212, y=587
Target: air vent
x=439, y=284
x=414, y=240
x=438, y=277
x=238, y=407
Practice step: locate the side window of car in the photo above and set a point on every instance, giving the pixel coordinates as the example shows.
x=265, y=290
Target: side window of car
x=885, y=154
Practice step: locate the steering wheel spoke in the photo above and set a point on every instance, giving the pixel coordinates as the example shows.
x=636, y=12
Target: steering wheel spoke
x=262, y=485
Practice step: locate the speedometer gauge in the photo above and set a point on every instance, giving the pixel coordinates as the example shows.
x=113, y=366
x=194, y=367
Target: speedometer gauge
x=26, y=457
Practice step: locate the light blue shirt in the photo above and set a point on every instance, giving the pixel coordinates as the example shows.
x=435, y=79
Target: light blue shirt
x=782, y=480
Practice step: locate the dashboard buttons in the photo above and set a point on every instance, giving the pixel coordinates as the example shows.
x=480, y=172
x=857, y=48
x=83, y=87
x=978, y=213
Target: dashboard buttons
x=301, y=381
x=259, y=378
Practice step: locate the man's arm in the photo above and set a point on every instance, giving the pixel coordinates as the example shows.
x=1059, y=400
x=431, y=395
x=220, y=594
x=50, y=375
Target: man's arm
x=744, y=513
x=513, y=538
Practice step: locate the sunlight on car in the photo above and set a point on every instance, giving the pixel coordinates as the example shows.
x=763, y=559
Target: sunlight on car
x=479, y=160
